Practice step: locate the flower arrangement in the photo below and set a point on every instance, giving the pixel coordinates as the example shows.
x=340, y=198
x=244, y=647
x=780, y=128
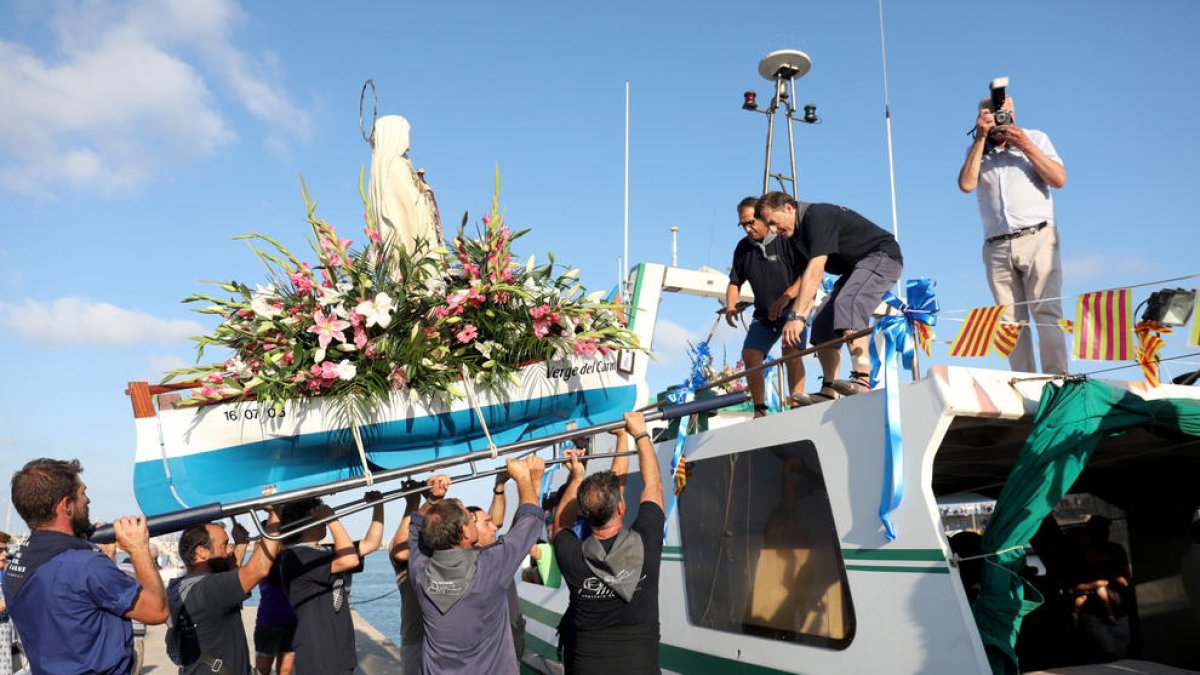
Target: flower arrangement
x=361, y=324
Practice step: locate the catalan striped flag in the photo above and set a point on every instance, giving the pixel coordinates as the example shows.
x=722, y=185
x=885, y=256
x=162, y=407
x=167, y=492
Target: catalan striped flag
x=924, y=337
x=976, y=335
x=1150, y=342
x=1006, y=337
x=1102, y=326
x=1067, y=326
x=682, y=473
x=1195, y=339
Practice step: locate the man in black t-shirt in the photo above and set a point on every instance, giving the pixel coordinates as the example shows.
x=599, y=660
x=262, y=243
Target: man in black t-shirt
x=206, y=634
x=864, y=256
x=768, y=262
x=611, y=624
x=317, y=581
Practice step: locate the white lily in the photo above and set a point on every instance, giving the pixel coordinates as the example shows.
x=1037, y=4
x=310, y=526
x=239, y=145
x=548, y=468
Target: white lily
x=329, y=296
x=485, y=348
x=377, y=312
x=346, y=370
x=261, y=301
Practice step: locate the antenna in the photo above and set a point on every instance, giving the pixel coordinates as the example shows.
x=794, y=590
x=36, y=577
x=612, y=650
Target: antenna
x=625, y=251
x=782, y=68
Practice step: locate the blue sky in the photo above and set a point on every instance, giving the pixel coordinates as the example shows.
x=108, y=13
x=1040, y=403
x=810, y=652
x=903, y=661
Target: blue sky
x=137, y=138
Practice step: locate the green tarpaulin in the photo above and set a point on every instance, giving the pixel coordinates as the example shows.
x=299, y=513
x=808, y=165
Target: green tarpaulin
x=1071, y=420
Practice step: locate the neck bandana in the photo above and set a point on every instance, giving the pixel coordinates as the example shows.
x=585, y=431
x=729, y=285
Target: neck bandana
x=448, y=576
x=621, y=567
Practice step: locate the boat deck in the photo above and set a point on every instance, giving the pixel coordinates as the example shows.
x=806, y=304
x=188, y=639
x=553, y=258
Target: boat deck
x=376, y=654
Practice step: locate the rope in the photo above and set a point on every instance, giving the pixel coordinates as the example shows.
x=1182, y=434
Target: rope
x=958, y=559
x=1095, y=372
x=470, y=388
x=362, y=454
x=378, y=597
x=1064, y=297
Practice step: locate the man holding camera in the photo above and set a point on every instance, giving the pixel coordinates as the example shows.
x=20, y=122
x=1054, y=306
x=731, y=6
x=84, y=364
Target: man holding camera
x=1014, y=169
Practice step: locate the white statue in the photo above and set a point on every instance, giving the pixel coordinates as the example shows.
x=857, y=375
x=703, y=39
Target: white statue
x=400, y=204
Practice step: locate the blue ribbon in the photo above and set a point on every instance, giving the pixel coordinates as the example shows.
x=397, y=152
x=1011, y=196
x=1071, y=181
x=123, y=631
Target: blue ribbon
x=684, y=393
x=895, y=332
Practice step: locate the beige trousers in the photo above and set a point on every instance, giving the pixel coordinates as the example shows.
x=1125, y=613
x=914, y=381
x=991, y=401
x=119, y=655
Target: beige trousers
x=1024, y=269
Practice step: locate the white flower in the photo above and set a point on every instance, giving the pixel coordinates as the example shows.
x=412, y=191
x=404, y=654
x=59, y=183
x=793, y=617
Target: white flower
x=262, y=300
x=377, y=312
x=329, y=296
x=346, y=370
x=485, y=348
x=238, y=367
x=435, y=286
x=319, y=356
x=529, y=265
x=593, y=298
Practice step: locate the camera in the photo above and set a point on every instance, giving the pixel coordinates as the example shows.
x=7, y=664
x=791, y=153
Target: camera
x=1003, y=117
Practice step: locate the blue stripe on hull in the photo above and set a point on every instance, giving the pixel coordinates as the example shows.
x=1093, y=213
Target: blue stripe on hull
x=240, y=472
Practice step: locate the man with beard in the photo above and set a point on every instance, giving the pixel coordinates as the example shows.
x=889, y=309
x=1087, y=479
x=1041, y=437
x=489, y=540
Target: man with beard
x=207, y=634
x=69, y=602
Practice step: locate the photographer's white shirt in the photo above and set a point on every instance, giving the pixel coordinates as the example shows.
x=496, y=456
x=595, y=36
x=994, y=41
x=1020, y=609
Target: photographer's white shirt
x=1012, y=196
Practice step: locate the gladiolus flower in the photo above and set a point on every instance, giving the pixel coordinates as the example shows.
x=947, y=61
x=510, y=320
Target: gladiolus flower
x=467, y=334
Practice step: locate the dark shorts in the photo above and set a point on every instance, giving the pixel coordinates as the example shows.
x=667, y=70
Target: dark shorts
x=272, y=640
x=762, y=335
x=855, y=297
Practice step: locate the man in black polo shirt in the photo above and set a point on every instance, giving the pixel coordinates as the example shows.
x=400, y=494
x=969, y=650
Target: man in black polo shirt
x=611, y=624
x=864, y=256
x=766, y=261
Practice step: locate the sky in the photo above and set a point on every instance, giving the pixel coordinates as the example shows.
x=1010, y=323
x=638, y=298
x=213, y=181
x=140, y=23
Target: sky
x=138, y=138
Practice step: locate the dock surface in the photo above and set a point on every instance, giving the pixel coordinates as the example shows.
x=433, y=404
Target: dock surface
x=376, y=654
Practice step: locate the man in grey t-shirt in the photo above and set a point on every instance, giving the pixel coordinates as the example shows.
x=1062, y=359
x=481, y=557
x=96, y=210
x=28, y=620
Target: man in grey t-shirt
x=462, y=590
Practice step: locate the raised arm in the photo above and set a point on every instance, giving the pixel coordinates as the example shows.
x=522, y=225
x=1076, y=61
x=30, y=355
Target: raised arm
x=266, y=551
x=412, y=502
x=568, y=506
x=133, y=537
x=620, y=465
x=968, y=175
x=373, y=540
x=345, y=555
x=499, y=505
x=241, y=540
x=652, y=487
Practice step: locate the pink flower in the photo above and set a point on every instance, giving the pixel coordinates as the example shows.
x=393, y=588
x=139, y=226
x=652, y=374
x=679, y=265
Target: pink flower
x=586, y=346
x=541, y=328
x=471, y=269
x=328, y=327
x=288, y=358
x=474, y=297
x=302, y=282
x=506, y=274
x=539, y=311
x=209, y=392
x=329, y=370
x=373, y=235
x=467, y=334
x=399, y=377
x=454, y=302
x=487, y=219
x=214, y=379
x=360, y=337
x=441, y=312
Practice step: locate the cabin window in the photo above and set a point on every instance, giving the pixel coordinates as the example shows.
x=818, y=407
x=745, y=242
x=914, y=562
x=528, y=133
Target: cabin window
x=760, y=551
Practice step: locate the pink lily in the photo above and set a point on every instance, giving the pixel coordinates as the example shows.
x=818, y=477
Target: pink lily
x=328, y=327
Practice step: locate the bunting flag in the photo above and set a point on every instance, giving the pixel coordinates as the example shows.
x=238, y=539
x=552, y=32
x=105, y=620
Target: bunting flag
x=924, y=338
x=976, y=336
x=1006, y=338
x=1150, y=342
x=1102, y=326
x=1067, y=326
x=682, y=473
x=1195, y=339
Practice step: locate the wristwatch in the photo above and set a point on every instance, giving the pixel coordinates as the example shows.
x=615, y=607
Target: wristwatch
x=793, y=316
x=498, y=490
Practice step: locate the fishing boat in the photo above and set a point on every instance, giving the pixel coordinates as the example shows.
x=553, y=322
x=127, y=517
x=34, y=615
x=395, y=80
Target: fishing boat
x=776, y=561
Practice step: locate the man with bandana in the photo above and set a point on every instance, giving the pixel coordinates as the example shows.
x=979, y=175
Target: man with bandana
x=611, y=624
x=69, y=602
x=207, y=634
x=770, y=265
x=463, y=589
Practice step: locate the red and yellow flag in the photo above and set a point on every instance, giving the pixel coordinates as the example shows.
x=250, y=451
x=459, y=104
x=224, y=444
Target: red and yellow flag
x=1102, y=326
x=1007, y=334
x=682, y=473
x=1067, y=326
x=976, y=336
x=924, y=337
x=1150, y=342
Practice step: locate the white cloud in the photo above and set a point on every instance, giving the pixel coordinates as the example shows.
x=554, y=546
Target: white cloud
x=128, y=88
x=158, y=365
x=77, y=321
x=1094, y=266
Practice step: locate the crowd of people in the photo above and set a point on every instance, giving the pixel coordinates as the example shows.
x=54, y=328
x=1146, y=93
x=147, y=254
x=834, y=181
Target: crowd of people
x=76, y=609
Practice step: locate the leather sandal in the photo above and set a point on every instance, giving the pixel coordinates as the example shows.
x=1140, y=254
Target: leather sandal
x=800, y=400
x=858, y=383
